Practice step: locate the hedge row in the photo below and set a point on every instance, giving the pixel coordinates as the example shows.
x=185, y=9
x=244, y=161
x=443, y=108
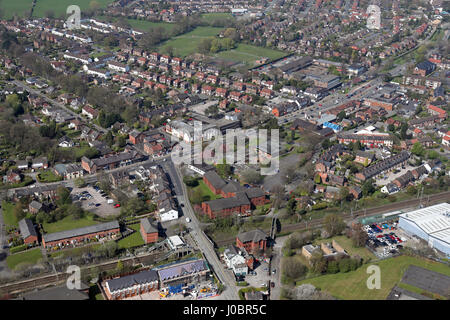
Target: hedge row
x=19, y=248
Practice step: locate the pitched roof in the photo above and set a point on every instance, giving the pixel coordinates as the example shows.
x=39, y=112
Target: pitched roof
x=131, y=280
x=252, y=236
x=216, y=181
x=148, y=226
x=27, y=228
x=81, y=231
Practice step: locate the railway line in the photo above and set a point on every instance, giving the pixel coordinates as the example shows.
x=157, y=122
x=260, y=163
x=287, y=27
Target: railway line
x=61, y=277
x=428, y=200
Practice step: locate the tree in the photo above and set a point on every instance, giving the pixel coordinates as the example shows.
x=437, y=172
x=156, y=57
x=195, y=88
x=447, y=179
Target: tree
x=63, y=195
x=293, y=268
x=318, y=262
x=334, y=224
x=19, y=213
x=332, y=267
x=418, y=149
x=79, y=182
x=326, y=143
x=344, y=265
x=224, y=170
x=190, y=181
x=212, y=111
x=358, y=235
x=119, y=266
x=368, y=188
x=252, y=176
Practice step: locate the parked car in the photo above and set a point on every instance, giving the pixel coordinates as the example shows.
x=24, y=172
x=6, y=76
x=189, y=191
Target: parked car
x=117, y=205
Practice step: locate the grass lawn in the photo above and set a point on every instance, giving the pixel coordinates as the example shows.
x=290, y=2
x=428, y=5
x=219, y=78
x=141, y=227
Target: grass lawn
x=352, y=285
x=205, y=190
x=249, y=54
x=187, y=43
x=59, y=7
x=347, y=244
x=133, y=240
x=30, y=256
x=68, y=223
x=48, y=176
x=8, y=214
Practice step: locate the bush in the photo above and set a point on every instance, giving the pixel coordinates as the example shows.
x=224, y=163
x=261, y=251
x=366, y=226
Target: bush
x=19, y=248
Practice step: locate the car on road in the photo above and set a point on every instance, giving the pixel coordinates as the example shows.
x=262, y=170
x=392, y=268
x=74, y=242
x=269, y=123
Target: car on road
x=117, y=205
x=188, y=220
x=182, y=205
x=98, y=204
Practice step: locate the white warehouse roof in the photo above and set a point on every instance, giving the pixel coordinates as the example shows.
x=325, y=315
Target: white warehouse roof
x=434, y=220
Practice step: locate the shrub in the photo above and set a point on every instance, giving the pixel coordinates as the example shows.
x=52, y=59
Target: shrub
x=19, y=248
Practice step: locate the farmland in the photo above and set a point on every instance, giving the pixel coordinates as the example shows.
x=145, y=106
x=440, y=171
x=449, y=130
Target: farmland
x=57, y=7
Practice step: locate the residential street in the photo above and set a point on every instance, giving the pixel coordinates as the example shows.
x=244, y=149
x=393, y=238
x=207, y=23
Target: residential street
x=225, y=276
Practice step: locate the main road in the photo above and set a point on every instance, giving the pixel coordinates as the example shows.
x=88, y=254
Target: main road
x=203, y=243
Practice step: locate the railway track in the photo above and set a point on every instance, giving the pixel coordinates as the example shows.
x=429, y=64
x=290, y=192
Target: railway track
x=61, y=277
x=429, y=200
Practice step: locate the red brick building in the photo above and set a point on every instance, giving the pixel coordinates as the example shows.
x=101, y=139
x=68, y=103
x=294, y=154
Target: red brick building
x=149, y=232
x=80, y=235
x=252, y=241
x=27, y=231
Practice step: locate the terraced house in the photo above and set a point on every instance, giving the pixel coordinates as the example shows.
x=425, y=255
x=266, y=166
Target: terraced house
x=388, y=164
x=108, y=230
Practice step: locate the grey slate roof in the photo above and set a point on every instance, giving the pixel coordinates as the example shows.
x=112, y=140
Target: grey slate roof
x=36, y=205
x=252, y=236
x=226, y=203
x=216, y=181
x=147, y=276
x=81, y=231
x=27, y=228
x=148, y=226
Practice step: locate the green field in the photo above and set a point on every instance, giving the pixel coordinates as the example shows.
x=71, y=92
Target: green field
x=59, y=7
x=68, y=223
x=17, y=7
x=205, y=190
x=133, y=240
x=352, y=285
x=31, y=256
x=249, y=54
x=347, y=244
x=8, y=214
x=187, y=43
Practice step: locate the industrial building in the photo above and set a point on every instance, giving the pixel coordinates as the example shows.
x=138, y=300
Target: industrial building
x=431, y=224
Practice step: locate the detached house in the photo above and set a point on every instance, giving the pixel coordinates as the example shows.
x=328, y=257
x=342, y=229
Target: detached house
x=90, y=112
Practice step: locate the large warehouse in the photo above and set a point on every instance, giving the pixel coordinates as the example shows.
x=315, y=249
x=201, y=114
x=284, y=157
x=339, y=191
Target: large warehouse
x=431, y=224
